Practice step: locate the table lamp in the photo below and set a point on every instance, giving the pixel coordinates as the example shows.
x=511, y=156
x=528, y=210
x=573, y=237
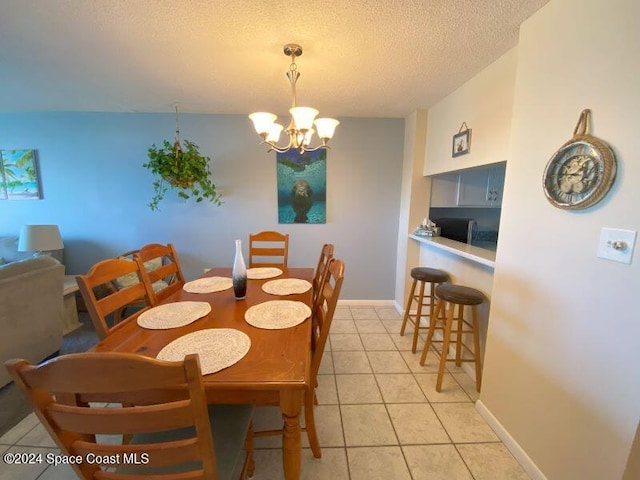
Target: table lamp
x=40, y=239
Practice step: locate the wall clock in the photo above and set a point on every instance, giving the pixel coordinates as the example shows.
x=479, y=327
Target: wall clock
x=581, y=172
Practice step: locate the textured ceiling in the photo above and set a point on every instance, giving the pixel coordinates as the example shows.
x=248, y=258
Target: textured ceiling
x=362, y=58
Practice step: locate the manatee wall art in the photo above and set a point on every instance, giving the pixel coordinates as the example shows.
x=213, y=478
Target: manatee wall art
x=302, y=186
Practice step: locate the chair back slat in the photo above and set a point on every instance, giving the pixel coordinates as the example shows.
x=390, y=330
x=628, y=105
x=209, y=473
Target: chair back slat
x=326, y=254
x=192, y=475
x=114, y=421
x=102, y=298
x=75, y=427
x=159, y=454
x=325, y=310
x=269, y=255
x=169, y=270
x=116, y=300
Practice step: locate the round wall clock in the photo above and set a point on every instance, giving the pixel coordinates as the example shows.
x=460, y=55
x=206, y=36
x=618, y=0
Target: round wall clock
x=581, y=172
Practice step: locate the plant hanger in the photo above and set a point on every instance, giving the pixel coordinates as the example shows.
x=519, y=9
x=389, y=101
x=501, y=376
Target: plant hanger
x=181, y=168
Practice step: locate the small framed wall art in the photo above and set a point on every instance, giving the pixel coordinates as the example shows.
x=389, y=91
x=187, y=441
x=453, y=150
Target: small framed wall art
x=19, y=178
x=461, y=141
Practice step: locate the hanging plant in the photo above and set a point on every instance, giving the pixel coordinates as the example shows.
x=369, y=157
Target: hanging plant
x=183, y=169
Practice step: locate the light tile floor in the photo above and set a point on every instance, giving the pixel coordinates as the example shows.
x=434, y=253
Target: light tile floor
x=379, y=416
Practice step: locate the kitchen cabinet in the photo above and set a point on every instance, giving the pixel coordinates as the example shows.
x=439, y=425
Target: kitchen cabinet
x=444, y=190
x=474, y=187
x=481, y=187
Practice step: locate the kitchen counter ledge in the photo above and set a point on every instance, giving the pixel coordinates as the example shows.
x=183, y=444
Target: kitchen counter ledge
x=470, y=252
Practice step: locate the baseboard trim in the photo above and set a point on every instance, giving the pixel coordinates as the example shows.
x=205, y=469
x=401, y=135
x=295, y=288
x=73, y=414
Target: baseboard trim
x=366, y=303
x=399, y=308
x=516, y=450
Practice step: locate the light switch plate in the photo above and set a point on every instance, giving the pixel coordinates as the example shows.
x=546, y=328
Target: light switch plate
x=616, y=244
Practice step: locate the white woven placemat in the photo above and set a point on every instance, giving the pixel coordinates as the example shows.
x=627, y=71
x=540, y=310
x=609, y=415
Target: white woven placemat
x=277, y=314
x=217, y=348
x=173, y=315
x=208, y=285
x=286, y=286
x=259, y=273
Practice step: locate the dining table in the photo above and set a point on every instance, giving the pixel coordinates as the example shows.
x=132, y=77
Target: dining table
x=274, y=371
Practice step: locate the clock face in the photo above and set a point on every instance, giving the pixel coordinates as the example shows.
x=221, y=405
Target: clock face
x=579, y=174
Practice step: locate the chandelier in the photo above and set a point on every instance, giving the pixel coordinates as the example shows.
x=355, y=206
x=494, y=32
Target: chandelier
x=300, y=129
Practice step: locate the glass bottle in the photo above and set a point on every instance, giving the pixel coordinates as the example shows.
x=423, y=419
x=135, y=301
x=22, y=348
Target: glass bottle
x=239, y=274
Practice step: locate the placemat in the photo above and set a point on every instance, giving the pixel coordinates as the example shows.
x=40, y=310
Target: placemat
x=277, y=314
x=173, y=315
x=259, y=273
x=208, y=285
x=217, y=348
x=286, y=286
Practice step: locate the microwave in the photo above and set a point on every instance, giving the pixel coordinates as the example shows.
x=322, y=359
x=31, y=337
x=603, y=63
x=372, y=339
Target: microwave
x=459, y=229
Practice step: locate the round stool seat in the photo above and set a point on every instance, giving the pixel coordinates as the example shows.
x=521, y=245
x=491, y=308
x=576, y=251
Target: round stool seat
x=432, y=275
x=459, y=294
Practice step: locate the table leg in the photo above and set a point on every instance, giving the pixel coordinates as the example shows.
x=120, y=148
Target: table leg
x=290, y=406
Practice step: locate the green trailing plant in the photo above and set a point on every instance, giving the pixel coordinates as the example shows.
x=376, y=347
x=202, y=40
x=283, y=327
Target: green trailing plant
x=183, y=169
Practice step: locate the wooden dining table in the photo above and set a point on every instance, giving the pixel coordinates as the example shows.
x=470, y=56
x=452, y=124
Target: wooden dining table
x=275, y=371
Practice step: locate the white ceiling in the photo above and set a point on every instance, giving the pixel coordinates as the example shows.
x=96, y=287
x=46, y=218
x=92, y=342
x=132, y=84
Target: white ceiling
x=362, y=58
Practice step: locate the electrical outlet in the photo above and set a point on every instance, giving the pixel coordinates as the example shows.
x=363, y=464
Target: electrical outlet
x=616, y=244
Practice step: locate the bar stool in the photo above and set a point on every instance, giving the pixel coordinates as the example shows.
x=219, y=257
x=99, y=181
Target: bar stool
x=423, y=275
x=455, y=295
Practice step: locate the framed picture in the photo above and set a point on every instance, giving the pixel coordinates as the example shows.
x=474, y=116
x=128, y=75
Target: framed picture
x=461, y=143
x=302, y=186
x=19, y=179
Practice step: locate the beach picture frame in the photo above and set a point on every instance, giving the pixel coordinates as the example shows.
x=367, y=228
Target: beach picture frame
x=19, y=175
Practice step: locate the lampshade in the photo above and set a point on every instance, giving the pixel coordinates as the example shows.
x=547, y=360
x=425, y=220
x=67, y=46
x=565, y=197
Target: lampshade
x=38, y=238
x=326, y=127
x=262, y=121
x=274, y=132
x=303, y=117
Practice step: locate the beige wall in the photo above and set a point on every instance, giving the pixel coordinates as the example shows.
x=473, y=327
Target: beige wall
x=484, y=103
x=632, y=472
x=562, y=361
x=414, y=201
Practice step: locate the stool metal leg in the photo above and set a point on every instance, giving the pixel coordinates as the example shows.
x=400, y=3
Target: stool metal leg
x=445, y=346
x=416, y=331
x=408, y=309
x=476, y=346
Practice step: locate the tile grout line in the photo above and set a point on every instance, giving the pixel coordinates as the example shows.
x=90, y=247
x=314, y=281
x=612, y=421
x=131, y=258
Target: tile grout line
x=335, y=379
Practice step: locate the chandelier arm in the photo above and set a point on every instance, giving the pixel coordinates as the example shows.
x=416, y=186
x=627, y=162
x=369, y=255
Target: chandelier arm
x=277, y=148
x=307, y=149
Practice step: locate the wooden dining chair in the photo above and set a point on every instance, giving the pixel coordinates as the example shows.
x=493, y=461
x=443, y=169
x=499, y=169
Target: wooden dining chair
x=326, y=307
x=167, y=269
x=321, y=324
x=326, y=254
x=268, y=249
x=172, y=430
x=105, y=303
